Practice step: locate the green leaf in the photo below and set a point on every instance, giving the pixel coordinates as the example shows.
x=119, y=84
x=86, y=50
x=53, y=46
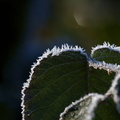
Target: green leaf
x=100, y=81
x=59, y=77
x=82, y=109
x=106, y=52
x=115, y=91
x=106, y=111
x=55, y=82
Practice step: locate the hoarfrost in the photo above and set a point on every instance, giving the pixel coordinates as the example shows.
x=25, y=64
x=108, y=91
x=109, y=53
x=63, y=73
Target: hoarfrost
x=105, y=45
x=82, y=108
x=105, y=66
x=115, y=91
x=54, y=52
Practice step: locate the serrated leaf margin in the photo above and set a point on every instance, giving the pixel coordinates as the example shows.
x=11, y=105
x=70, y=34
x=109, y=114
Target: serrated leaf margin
x=112, y=91
x=96, y=98
x=105, y=66
x=56, y=51
x=105, y=45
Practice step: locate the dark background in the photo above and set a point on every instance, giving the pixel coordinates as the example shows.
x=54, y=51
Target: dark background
x=29, y=27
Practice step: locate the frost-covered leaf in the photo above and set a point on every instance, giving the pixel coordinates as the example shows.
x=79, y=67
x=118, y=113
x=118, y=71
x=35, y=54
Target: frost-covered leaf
x=106, y=110
x=106, y=52
x=54, y=82
x=60, y=76
x=101, y=75
x=82, y=109
x=115, y=91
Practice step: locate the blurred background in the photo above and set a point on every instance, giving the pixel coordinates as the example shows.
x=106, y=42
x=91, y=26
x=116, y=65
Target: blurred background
x=29, y=27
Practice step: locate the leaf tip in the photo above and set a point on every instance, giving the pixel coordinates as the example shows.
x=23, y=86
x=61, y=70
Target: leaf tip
x=105, y=45
x=82, y=108
x=53, y=52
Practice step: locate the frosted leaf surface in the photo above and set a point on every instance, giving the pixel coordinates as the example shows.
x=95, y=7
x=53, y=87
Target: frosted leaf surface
x=60, y=76
x=54, y=77
x=106, y=52
x=82, y=109
x=105, y=66
x=105, y=45
x=115, y=91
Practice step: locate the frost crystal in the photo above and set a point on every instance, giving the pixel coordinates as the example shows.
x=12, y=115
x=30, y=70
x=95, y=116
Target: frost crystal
x=54, y=52
x=115, y=91
x=104, y=66
x=82, y=109
x=105, y=45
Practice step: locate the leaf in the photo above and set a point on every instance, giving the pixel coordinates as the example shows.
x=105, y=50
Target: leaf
x=115, y=90
x=106, y=111
x=60, y=76
x=106, y=52
x=82, y=109
x=54, y=82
